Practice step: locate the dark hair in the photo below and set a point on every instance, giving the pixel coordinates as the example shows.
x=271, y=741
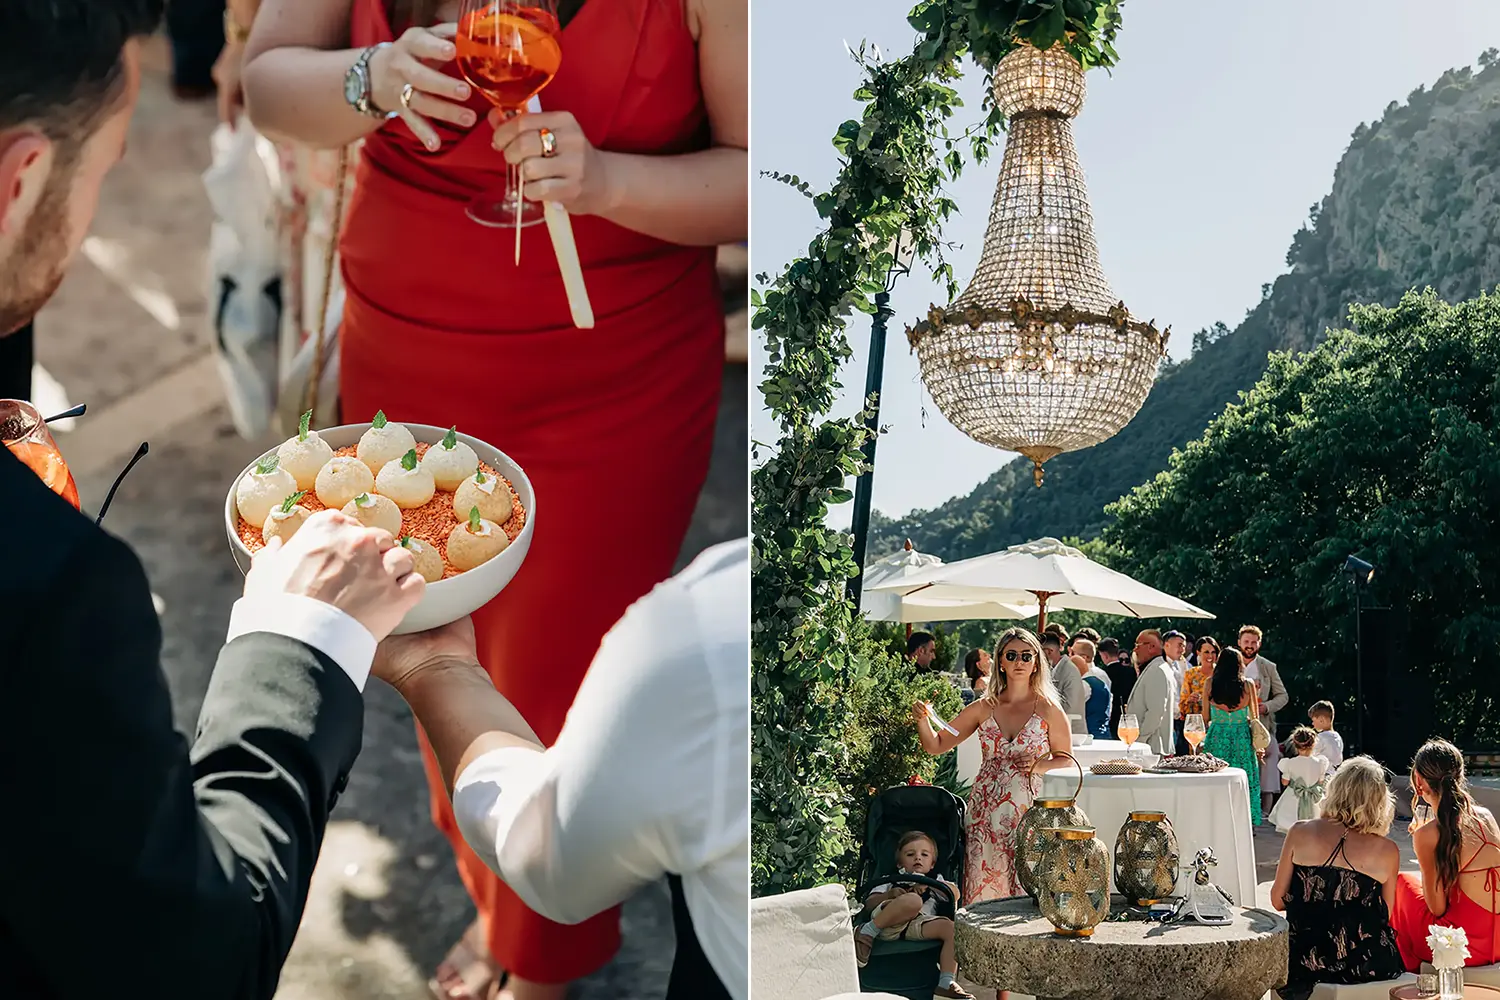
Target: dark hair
x=1055, y=628
x=1227, y=687
x=1302, y=736
x=1050, y=639
x=971, y=666
x=1441, y=765
x=1321, y=708
x=911, y=836
x=1109, y=644
x=1206, y=640
x=61, y=65
x=1089, y=634
x=917, y=641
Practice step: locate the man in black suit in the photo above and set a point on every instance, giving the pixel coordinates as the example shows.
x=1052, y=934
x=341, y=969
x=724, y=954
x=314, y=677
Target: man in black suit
x=130, y=862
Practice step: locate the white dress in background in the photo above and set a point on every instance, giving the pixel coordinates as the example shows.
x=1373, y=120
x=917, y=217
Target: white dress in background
x=1303, y=773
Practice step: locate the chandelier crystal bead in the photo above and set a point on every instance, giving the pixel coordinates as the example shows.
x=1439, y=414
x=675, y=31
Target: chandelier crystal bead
x=1037, y=355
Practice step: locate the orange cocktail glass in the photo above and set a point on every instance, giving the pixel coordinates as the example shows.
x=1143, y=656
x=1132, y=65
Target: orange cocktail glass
x=26, y=436
x=508, y=50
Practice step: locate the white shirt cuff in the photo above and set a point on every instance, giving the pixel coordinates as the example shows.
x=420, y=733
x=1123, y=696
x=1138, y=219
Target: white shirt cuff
x=321, y=625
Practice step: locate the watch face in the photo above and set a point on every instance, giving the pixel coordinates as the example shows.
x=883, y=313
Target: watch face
x=354, y=86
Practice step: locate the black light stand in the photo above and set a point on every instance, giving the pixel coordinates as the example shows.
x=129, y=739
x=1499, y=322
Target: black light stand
x=1360, y=574
x=901, y=257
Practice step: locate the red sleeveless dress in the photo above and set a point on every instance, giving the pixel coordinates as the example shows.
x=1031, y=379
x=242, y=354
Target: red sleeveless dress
x=614, y=425
x=1412, y=920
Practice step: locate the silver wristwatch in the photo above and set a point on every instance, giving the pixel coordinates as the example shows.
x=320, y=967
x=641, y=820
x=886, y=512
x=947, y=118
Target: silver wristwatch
x=358, y=87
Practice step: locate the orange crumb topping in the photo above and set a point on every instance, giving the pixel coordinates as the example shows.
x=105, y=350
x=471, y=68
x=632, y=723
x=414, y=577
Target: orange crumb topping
x=430, y=522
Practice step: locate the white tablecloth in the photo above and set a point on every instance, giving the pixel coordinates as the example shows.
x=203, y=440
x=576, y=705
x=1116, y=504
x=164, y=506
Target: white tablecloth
x=970, y=756
x=1206, y=810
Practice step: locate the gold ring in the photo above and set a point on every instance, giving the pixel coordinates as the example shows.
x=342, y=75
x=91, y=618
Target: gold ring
x=407, y=93
x=549, y=143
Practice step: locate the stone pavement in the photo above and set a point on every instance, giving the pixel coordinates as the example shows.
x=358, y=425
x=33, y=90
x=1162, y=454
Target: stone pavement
x=127, y=335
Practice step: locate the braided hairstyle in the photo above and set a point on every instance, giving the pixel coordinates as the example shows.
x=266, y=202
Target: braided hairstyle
x=1441, y=765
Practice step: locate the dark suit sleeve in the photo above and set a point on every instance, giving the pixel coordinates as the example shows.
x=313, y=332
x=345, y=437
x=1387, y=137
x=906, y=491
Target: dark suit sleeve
x=131, y=862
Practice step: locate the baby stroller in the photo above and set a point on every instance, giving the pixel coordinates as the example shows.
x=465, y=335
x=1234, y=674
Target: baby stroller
x=909, y=968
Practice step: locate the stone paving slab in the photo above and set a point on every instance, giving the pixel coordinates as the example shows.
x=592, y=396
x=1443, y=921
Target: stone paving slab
x=386, y=899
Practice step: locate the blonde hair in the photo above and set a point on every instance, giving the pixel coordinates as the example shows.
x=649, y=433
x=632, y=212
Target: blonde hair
x=1358, y=797
x=1252, y=629
x=1041, y=677
x=1080, y=645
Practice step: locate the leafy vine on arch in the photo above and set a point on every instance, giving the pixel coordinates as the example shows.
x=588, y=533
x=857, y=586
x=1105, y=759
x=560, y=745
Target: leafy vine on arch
x=806, y=641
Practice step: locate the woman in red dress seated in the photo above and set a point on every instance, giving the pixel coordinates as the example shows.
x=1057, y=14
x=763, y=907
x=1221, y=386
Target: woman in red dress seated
x=1458, y=846
x=643, y=141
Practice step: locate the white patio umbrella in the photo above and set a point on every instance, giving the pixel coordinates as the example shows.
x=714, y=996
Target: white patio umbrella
x=890, y=606
x=1045, y=572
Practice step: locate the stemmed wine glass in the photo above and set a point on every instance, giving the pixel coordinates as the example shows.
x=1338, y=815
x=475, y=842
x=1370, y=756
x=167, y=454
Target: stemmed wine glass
x=508, y=50
x=1130, y=728
x=26, y=436
x=1193, y=730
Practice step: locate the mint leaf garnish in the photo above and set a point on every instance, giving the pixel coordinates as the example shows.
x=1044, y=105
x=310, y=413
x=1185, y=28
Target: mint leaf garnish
x=474, y=520
x=379, y=420
x=291, y=501
x=303, y=425
x=409, y=460
x=479, y=476
x=267, y=464
x=450, y=440
x=363, y=500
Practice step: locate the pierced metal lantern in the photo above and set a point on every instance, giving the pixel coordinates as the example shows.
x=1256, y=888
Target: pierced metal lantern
x=1043, y=816
x=1037, y=355
x=1074, y=889
x=1146, y=858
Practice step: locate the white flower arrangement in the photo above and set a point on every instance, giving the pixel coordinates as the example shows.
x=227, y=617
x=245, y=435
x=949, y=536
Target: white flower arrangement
x=1450, y=947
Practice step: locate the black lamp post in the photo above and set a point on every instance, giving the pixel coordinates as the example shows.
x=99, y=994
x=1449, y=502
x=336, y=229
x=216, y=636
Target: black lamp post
x=903, y=249
x=1360, y=574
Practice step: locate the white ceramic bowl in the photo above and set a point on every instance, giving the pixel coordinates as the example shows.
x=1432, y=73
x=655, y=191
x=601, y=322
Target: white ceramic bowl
x=447, y=600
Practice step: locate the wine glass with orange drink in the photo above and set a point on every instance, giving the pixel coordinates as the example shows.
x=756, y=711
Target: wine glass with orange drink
x=26, y=437
x=508, y=50
x=1130, y=728
x=1193, y=730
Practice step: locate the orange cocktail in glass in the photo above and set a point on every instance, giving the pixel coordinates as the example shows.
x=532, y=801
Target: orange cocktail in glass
x=26, y=437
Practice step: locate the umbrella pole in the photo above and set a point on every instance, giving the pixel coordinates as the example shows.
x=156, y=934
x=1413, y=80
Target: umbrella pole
x=1041, y=612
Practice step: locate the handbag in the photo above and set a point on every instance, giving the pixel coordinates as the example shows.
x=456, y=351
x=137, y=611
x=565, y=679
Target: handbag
x=311, y=381
x=1260, y=736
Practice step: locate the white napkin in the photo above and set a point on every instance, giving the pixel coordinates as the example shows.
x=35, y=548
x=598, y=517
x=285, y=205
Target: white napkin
x=560, y=228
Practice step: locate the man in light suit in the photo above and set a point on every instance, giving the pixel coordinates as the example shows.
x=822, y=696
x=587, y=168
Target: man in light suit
x=1071, y=688
x=1154, y=694
x=1273, y=698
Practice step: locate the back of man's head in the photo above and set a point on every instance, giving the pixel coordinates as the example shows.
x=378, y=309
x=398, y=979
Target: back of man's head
x=64, y=76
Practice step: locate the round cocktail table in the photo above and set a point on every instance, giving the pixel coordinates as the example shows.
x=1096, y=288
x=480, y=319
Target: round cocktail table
x=1007, y=944
x=1472, y=991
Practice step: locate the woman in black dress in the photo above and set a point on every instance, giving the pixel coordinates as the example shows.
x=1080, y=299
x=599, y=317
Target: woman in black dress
x=1337, y=884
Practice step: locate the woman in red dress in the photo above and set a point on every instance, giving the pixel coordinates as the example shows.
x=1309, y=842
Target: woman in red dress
x=1457, y=844
x=648, y=121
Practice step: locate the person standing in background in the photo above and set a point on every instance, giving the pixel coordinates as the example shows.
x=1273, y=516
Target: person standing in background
x=1121, y=675
x=1153, y=699
x=921, y=650
x=1174, y=648
x=1273, y=697
x=196, y=28
x=1096, y=710
x=1071, y=689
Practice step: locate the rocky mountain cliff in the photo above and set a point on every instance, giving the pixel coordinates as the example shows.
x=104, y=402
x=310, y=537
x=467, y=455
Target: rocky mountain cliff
x=1415, y=202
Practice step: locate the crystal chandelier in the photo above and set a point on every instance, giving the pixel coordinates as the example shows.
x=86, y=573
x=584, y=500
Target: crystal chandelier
x=1037, y=355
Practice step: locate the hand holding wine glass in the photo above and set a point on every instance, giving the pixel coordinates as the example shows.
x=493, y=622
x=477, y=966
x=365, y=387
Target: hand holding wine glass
x=576, y=174
x=509, y=50
x=404, y=79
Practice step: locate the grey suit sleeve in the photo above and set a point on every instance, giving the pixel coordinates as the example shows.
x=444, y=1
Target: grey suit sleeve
x=1279, y=696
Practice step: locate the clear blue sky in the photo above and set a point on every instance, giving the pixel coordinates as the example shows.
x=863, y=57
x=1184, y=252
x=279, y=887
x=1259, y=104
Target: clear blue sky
x=1203, y=151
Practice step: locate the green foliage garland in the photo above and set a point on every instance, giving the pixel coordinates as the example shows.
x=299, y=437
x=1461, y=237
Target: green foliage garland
x=807, y=644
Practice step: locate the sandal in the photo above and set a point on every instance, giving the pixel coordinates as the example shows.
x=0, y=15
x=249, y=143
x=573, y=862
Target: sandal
x=468, y=972
x=862, y=945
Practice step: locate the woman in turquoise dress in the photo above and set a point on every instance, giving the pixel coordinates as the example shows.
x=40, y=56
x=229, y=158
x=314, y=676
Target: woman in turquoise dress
x=1231, y=699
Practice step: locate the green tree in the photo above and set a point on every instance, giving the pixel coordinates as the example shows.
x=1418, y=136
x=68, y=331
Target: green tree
x=1383, y=442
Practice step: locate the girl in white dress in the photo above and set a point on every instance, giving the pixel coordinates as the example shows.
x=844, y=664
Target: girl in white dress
x=1303, y=776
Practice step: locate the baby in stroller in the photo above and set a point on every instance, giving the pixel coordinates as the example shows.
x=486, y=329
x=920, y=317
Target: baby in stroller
x=910, y=911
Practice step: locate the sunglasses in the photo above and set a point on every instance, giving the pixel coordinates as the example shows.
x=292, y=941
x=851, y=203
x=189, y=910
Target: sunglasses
x=1011, y=656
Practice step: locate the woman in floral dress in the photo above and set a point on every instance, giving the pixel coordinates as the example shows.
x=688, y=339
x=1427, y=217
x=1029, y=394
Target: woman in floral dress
x=1231, y=701
x=1019, y=721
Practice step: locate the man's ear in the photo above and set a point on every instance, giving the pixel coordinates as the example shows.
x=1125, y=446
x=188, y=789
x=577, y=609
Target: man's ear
x=25, y=160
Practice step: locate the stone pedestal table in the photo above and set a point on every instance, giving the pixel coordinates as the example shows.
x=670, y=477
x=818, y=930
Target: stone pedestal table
x=1007, y=944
